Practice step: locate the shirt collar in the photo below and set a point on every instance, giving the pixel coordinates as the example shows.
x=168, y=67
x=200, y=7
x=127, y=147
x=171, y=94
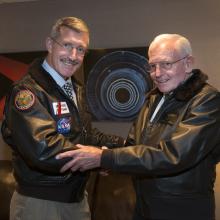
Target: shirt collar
x=54, y=74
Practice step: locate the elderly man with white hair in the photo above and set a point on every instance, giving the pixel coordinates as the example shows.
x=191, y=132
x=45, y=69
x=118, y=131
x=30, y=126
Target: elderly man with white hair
x=173, y=146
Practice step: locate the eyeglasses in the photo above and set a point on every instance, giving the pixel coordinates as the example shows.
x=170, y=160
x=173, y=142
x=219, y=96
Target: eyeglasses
x=69, y=47
x=164, y=65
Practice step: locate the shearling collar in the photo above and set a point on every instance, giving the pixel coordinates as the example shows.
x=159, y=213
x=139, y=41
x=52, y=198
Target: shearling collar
x=189, y=88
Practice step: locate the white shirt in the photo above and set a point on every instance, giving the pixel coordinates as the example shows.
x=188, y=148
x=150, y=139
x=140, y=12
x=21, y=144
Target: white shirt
x=157, y=108
x=58, y=78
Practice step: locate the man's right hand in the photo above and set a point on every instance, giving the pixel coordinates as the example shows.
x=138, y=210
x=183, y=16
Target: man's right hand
x=84, y=158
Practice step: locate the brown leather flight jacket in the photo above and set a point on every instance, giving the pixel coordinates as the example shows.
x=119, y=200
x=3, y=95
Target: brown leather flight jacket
x=173, y=158
x=40, y=121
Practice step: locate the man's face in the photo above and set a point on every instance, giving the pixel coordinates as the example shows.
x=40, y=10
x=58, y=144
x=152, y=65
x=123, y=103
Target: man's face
x=168, y=74
x=66, y=52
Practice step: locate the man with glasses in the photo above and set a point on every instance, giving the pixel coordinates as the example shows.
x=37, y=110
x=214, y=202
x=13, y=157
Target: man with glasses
x=46, y=113
x=173, y=146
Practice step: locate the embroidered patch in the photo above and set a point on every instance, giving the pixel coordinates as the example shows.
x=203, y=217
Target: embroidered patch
x=24, y=99
x=60, y=108
x=64, y=125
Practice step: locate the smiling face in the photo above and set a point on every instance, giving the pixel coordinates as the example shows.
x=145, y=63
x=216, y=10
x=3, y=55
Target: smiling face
x=167, y=79
x=66, y=61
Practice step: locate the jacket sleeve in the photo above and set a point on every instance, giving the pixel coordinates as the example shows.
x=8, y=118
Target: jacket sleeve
x=31, y=131
x=101, y=139
x=196, y=136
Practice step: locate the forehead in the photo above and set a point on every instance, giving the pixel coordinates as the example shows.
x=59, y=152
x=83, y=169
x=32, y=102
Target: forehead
x=70, y=34
x=164, y=51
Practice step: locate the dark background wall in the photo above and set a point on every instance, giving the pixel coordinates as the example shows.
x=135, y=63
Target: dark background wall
x=118, y=23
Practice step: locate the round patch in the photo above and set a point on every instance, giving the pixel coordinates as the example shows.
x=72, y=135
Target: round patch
x=64, y=125
x=24, y=99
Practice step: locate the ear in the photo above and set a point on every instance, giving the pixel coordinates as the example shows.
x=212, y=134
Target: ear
x=189, y=62
x=49, y=44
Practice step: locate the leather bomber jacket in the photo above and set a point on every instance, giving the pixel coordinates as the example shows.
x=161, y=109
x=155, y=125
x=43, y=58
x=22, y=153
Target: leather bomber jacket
x=42, y=124
x=175, y=155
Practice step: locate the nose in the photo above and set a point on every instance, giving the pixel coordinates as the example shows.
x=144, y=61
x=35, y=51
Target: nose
x=157, y=70
x=73, y=53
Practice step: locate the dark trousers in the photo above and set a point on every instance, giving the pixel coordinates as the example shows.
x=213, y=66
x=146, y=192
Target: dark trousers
x=176, y=209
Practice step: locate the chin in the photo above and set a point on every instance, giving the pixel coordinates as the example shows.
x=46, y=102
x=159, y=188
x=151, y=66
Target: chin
x=164, y=88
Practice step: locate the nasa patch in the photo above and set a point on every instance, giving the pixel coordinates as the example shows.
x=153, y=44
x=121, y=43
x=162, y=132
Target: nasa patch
x=24, y=99
x=64, y=125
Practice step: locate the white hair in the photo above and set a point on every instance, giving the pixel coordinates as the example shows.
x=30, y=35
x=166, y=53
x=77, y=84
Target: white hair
x=181, y=43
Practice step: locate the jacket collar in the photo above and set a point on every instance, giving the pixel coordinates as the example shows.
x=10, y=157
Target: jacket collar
x=189, y=88
x=44, y=79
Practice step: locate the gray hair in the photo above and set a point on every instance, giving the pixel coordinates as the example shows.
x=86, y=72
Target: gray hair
x=73, y=23
x=181, y=43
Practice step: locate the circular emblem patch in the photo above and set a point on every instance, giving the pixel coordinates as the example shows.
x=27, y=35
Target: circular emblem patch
x=24, y=99
x=64, y=125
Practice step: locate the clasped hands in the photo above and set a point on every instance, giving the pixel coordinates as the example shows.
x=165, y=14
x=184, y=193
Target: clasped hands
x=83, y=158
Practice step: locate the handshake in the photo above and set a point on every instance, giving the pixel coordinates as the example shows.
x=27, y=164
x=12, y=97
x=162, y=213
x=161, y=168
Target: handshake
x=83, y=158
